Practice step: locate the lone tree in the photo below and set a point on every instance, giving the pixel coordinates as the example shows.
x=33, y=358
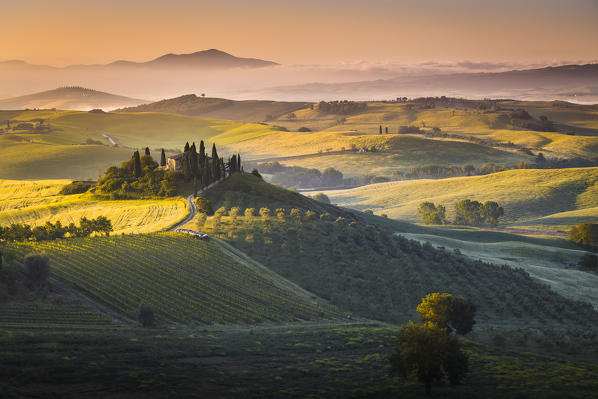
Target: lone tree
x=163, y=158
x=147, y=151
x=146, y=315
x=428, y=352
x=448, y=312
x=37, y=270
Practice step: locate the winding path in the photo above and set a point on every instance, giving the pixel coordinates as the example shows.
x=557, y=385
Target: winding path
x=192, y=207
x=190, y=216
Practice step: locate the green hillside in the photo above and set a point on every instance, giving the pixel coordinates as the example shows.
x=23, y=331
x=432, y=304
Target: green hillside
x=184, y=279
x=77, y=145
x=525, y=194
x=371, y=271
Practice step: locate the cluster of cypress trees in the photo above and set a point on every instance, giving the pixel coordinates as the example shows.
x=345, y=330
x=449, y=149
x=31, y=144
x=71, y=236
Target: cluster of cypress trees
x=205, y=170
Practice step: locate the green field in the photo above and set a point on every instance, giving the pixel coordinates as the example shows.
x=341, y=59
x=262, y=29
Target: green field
x=525, y=194
x=287, y=360
x=38, y=202
x=184, y=279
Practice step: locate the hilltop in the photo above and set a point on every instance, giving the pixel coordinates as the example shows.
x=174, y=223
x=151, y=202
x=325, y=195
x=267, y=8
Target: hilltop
x=73, y=98
x=220, y=108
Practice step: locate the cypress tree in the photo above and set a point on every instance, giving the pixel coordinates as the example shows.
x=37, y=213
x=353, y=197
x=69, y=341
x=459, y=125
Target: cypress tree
x=136, y=164
x=147, y=151
x=386, y=129
x=238, y=168
x=222, y=168
x=207, y=173
x=163, y=158
x=380, y=129
x=186, y=147
x=186, y=168
x=215, y=163
x=202, y=153
x=193, y=160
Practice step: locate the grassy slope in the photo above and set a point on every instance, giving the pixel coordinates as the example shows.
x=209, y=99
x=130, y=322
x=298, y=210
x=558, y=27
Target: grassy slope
x=394, y=152
x=59, y=154
x=36, y=202
x=186, y=280
x=525, y=194
x=297, y=360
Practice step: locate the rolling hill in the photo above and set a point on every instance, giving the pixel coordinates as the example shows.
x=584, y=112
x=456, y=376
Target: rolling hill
x=525, y=194
x=79, y=145
x=220, y=108
x=72, y=98
x=575, y=83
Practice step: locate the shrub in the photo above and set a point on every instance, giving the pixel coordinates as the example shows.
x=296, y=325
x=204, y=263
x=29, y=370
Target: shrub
x=76, y=187
x=146, y=315
x=321, y=197
x=304, y=129
x=204, y=206
x=256, y=173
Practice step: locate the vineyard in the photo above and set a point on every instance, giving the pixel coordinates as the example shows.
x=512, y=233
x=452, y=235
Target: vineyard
x=41, y=313
x=379, y=275
x=184, y=279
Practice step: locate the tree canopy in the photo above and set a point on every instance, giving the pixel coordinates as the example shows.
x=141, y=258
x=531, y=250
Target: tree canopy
x=449, y=312
x=429, y=353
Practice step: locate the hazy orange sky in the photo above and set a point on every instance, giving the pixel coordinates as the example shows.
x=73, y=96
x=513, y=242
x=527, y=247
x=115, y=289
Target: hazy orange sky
x=63, y=32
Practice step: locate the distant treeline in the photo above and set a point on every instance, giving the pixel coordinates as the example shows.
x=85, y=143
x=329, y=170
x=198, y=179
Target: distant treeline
x=344, y=107
x=49, y=231
x=467, y=212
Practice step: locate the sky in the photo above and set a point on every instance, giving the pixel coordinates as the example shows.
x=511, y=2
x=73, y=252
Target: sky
x=62, y=32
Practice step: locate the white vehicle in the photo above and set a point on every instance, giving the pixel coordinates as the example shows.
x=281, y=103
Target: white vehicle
x=201, y=236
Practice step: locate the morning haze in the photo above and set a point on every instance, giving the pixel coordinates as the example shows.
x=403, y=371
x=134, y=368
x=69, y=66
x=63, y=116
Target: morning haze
x=283, y=199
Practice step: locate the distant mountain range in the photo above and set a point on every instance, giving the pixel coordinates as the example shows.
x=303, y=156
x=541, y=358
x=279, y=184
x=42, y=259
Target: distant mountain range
x=577, y=83
x=74, y=98
x=207, y=59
